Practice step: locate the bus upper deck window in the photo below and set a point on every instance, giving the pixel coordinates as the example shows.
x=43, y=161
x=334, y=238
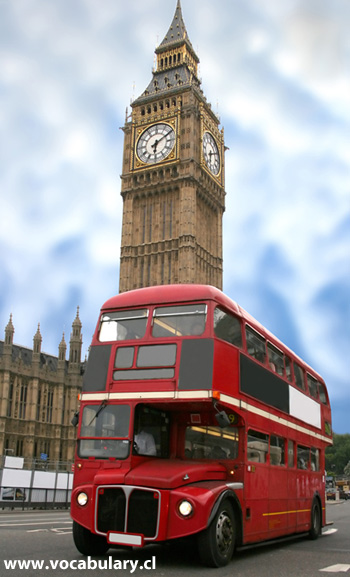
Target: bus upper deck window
x=312, y=384
x=299, y=376
x=322, y=393
x=227, y=327
x=179, y=321
x=276, y=360
x=256, y=345
x=123, y=325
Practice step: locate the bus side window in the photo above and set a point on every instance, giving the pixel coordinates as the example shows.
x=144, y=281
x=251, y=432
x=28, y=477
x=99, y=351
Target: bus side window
x=227, y=327
x=277, y=450
x=258, y=446
x=275, y=359
x=322, y=393
x=312, y=385
x=256, y=345
x=288, y=368
x=315, y=460
x=299, y=376
x=290, y=453
x=303, y=457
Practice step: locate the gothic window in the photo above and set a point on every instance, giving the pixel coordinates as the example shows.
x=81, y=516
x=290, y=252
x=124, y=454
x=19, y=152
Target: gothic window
x=149, y=272
x=164, y=220
x=46, y=448
x=19, y=448
x=38, y=405
x=10, y=399
x=150, y=223
x=171, y=219
x=144, y=225
x=162, y=269
x=49, y=407
x=23, y=401
x=169, y=270
x=141, y=272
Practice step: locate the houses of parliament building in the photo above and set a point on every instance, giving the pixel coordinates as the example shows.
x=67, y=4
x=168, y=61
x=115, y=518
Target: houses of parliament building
x=173, y=191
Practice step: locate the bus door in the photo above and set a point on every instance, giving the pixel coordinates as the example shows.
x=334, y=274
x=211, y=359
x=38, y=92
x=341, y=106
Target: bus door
x=278, y=516
x=256, y=487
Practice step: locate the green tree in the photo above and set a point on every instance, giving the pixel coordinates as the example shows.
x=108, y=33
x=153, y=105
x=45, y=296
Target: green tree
x=338, y=456
x=347, y=470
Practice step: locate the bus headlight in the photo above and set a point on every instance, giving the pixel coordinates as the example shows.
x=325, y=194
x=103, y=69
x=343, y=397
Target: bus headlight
x=82, y=499
x=185, y=508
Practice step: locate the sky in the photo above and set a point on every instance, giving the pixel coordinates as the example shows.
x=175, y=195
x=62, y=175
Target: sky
x=277, y=74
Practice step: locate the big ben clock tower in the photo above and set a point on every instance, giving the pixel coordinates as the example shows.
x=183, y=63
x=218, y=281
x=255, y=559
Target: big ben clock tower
x=173, y=175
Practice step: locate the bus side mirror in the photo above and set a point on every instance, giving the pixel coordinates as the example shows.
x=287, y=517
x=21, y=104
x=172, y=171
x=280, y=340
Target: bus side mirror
x=222, y=419
x=75, y=419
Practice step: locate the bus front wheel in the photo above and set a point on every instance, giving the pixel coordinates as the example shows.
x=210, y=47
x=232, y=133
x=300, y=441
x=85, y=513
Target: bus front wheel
x=88, y=543
x=316, y=522
x=216, y=544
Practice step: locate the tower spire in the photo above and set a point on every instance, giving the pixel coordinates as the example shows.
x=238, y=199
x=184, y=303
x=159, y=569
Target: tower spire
x=9, y=332
x=177, y=62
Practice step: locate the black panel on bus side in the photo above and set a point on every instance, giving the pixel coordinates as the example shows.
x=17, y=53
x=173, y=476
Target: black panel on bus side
x=196, y=366
x=95, y=375
x=261, y=384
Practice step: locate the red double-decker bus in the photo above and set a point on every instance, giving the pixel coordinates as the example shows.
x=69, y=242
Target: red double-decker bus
x=195, y=420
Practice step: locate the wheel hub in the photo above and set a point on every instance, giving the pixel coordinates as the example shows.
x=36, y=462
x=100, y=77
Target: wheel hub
x=224, y=533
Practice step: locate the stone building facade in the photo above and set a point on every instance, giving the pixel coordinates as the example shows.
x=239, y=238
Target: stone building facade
x=38, y=398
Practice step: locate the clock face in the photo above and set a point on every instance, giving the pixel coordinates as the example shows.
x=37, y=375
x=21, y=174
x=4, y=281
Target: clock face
x=155, y=143
x=211, y=153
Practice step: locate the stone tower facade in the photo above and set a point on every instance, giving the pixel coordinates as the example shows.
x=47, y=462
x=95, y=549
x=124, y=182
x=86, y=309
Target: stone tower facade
x=38, y=397
x=173, y=175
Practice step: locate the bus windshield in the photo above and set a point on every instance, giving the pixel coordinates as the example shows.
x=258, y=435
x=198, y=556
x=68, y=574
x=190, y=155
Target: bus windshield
x=104, y=431
x=122, y=325
x=179, y=320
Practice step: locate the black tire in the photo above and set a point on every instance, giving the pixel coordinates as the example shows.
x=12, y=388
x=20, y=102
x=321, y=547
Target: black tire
x=316, y=520
x=88, y=543
x=216, y=544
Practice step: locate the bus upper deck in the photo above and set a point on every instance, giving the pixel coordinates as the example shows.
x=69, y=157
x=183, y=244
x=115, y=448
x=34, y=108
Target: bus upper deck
x=192, y=341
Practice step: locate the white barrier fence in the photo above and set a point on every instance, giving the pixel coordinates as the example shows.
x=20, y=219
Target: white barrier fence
x=21, y=488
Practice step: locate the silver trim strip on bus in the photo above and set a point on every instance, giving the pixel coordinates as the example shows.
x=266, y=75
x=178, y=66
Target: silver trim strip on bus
x=205, y=394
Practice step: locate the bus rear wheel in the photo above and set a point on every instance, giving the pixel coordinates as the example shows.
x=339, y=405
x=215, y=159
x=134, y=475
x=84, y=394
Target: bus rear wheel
x=216, y=544
x=316, y=522
x=88, y=543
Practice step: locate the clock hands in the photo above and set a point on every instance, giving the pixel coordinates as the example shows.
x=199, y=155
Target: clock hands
x=156, y=142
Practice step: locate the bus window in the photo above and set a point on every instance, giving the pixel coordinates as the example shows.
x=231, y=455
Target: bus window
x=288, y=368
x=211, y=442
x=123, y=325
x=315, y=460
x=150, y=358
x=255, y=345
x=290, y=453
x=104, y=431
x=275, y=359
x=277, y=450
x=124, y=357
x=179, y=320
x=227, y=327
x=258, y=446
x=312, y=385
x=299, y=377
x=151, y=434
x=322, y=393
x=303, y=457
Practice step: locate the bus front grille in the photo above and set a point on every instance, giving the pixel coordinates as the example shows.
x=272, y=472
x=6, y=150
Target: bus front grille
x=126, y=509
